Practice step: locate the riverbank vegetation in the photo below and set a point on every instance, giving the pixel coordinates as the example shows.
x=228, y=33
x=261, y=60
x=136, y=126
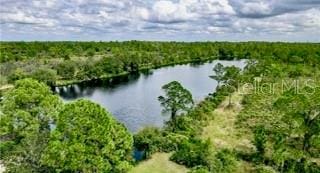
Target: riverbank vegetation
x=264, y=118
x=59, y=63
x=272, y=124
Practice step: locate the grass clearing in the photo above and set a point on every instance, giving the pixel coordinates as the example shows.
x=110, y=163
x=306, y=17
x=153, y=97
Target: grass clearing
x=159, y=163
x=222, y=130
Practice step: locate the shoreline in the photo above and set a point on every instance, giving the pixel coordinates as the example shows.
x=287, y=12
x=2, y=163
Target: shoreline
x=61, y=83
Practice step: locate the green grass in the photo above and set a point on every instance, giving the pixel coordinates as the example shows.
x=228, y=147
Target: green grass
x=223, y=132
x=226, y=131
x=159, y=163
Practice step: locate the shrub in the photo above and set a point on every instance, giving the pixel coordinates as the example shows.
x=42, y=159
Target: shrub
x=16, y=75
x=149, y=140
x=66, y=69
x=171, y=141
x=193, y=152
x=260, y=140
x=224, y=162
x=302, y=165
x=199, y=169
x=184, y=125
x=47, y=76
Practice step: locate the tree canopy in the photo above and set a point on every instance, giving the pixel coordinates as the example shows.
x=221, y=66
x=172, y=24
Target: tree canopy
x=26, y=113
x=176, y=100
x=100, y=59
x=301, y=110
x=219, y=71
x=87, y=139
x=230, y=78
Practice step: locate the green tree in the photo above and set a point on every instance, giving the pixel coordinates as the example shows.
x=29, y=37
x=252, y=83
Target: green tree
x=48, y=76
x=66, y=69
x=193, y=152
x=26, y=113
x=150, y=140
x=90, y=52
x=177, y=99
x=231, y=78
x=88, y=139
x=111, y=65
x=16, y=75
x=301, y=110
x=299, y=124
x=218, y=73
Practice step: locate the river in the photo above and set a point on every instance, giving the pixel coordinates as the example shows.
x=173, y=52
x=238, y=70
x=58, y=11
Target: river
x=133, y=99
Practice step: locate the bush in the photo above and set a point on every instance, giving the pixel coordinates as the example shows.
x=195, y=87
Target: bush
x=303, y=165
x=260, y=140
x=193, y=152
x=149, y=140
x=184, y=125
x=224, y=162
x=199, y=169
x=47, y=76
x=171, y=141
x=16, y=75
x=66, y=69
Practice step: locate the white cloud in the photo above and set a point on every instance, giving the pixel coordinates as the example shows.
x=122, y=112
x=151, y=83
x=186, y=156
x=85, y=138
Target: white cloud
x=256, y=7
x=44, y=4
x=208, y=7
x=23, y=18
x=140, y=13
x=269, y=8
x=169, y=12
x=189, y=17
x=304, y=21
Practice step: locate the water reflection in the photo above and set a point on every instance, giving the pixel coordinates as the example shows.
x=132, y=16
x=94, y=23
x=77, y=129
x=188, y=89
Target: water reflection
x=133, y=99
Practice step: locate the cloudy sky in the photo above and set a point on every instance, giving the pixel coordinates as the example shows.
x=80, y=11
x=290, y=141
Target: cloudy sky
x=180, y=20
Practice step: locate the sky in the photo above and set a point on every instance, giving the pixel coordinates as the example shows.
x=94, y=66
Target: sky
x=164, y=20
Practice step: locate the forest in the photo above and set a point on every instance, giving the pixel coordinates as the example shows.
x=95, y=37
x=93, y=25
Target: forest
x=61, y=63
x=264, y=118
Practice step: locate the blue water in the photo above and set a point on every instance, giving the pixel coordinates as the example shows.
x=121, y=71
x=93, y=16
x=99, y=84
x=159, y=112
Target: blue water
x=133, y=99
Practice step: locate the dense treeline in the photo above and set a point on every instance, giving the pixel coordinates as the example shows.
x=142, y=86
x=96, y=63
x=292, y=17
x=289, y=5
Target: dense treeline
x=74, y=61
x=40, y=133
x=17, y=51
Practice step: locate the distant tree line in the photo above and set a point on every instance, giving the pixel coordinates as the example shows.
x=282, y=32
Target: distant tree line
x=68, y=61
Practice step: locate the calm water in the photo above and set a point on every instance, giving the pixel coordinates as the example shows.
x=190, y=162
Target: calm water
x=133, y=99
